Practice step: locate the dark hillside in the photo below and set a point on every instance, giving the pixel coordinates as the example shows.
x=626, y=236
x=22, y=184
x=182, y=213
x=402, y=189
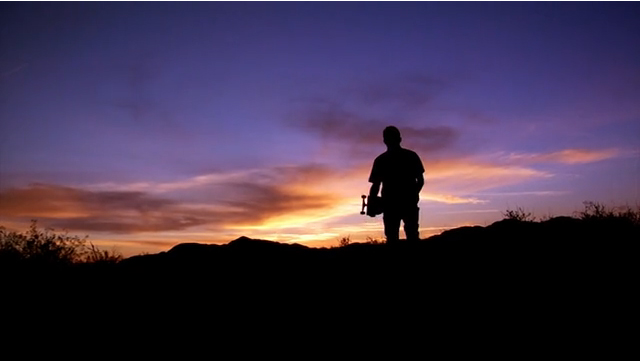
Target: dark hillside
x=563, y=289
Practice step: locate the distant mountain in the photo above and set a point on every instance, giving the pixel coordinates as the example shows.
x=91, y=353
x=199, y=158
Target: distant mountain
x=530, y=242
x=563, y=289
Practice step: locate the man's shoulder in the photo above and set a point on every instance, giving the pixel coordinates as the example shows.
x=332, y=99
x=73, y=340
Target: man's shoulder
x=409, y=153
x=381, y=157
x=413, y=158
x=396, y=155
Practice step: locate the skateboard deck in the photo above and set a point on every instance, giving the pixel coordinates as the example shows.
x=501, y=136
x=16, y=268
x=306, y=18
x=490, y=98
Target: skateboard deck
x=374, y=205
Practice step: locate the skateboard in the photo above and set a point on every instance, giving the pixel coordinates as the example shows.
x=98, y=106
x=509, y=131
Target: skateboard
x=374, y=205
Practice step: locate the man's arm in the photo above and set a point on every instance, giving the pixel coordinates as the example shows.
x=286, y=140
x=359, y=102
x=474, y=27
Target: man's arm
x=376, y=186
x=419, y=183
x=419, y=173
x=375, y=178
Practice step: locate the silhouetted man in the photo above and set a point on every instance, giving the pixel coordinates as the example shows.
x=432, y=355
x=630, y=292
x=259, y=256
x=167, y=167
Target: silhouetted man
x=401, y=173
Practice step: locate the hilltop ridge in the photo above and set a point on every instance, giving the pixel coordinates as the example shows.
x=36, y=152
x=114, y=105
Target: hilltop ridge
x=564, y=233
x=561, y=289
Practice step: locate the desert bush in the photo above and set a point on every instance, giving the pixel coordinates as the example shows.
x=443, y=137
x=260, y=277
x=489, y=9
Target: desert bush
x=595, y=210
x=374, y=241
x=599, y=211
x=518, y=214
x=41, y=246
x=45, y=246
x=344, y=241
x=629, y=213
x=95, y=255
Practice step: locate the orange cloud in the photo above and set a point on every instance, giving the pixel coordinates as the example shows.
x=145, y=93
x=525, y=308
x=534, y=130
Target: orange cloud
x=260, y=199
x=476, y=170
x=303, y=203
x=53, y=201
x=450, y=199
x=235, y=201
x=75, y=208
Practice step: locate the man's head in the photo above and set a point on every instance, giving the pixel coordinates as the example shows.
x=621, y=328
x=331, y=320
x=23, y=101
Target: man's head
x=392, y=137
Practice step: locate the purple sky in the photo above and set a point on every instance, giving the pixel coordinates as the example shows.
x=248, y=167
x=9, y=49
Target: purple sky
x=146, y=124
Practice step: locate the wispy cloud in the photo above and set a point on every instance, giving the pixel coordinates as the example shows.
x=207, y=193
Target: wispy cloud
x=466, y=211
x=345, y=119
x=78, y=209
x=567, y=156
x=450, y=199
x=464, y=176
x=236, y=202
x=334, y=124
x=540, y=193
x=279, y=200
x=14, y=70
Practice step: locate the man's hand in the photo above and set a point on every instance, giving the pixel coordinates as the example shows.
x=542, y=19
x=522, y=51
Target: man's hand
x=369, y=211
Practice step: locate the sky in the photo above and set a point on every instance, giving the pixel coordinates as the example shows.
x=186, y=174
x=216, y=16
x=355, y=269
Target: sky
x=147, y=124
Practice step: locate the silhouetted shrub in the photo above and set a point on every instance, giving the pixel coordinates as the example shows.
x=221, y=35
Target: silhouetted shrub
x=519, y=215
x=95, y=255
x=344, y=241
x=39, y=246
x=373, y=241
x=598, y=211
x=47, y=247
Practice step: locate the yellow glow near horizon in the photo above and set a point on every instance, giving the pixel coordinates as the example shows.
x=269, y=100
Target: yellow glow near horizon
x=299, y=219
x=329, y=202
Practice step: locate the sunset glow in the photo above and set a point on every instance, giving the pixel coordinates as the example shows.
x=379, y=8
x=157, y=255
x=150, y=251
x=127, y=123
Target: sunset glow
x=145, y=125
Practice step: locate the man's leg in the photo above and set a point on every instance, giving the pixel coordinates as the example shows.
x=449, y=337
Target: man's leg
x=410, y=223
x=392, y=222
